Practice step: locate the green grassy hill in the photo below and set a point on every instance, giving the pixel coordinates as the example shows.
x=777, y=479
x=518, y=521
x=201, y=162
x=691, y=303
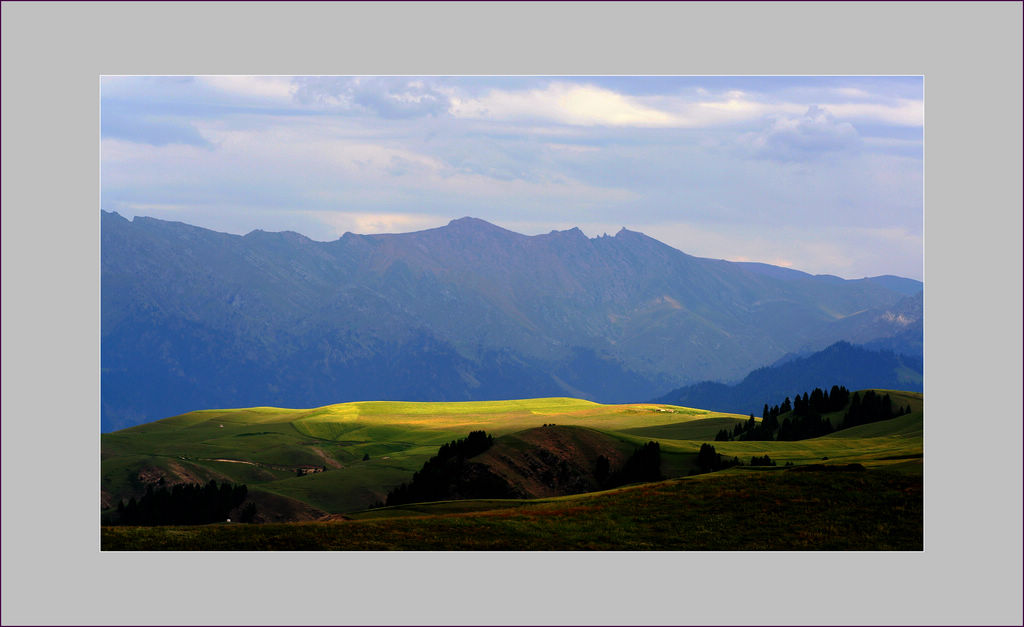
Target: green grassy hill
x=266, y=447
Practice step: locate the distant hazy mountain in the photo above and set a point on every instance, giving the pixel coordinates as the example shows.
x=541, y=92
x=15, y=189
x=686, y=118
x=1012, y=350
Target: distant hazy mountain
x=192, y=318
x=855, y=367
x=898, y=328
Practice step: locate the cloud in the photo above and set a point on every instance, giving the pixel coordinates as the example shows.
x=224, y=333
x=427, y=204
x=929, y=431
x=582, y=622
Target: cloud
x=565, y=103
x=272, y=88
x=809, y=136
x=582, y=104
x=851, y=92
x=387, y=97
x=905, y=112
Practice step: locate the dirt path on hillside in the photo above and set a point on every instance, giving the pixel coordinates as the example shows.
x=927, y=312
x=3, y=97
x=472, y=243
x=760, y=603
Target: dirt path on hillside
x=308, y=467
x=328, y=460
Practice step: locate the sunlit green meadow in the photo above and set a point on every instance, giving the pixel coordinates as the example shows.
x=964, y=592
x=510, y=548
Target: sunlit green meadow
x=364, y=449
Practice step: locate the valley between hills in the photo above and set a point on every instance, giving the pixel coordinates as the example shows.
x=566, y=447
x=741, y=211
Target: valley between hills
x=326, y=478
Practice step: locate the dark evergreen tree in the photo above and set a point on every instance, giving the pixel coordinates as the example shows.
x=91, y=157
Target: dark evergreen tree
x=816, y=403
x=709, y=460
x=644, y=465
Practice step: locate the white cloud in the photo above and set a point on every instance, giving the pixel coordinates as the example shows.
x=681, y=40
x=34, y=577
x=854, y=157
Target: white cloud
x=851, y=92
x=588, y=105
x=904, y=113
x=278, y=88
x=809, y=136
x=565, y=103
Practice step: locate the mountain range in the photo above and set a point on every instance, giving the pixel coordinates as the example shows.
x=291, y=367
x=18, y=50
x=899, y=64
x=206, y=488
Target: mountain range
x=192, y=318
x=856, y=367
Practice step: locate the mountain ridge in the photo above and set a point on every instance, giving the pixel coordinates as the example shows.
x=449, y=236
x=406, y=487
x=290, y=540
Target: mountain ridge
x=461, y=312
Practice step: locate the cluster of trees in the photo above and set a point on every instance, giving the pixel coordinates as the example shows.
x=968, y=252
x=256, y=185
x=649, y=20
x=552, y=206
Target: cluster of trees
x=871, y=408
x=751, y=429
x=804, y=427
x=709, y=460
x=470, y=446
x=792, y=427
x=643, y=466
x=448, y=475
x=803, y=416
x=820, y=401
x=186, y=504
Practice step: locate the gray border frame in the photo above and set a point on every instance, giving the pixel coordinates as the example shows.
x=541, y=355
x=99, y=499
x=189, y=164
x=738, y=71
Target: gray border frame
x=52, y=55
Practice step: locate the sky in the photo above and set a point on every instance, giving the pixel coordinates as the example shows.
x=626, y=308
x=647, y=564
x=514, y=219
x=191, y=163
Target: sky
x=821, y=174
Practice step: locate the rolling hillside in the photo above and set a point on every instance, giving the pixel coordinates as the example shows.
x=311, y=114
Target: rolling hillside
x=776, y=509
x=265, y=447
x=350, y=455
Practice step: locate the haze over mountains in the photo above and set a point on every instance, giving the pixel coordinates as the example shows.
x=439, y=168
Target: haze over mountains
x=192, y=318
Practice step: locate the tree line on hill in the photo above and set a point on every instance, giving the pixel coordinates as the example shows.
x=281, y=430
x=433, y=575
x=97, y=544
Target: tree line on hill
x=871, y=408
x=710, y=460
x=186, y=504
x=803, y=416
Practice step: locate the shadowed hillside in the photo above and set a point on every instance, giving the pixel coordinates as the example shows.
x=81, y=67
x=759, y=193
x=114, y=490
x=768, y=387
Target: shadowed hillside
x=775, y=509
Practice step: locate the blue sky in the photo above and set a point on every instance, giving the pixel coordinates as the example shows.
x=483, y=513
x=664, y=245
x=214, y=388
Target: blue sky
x=823, y=174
